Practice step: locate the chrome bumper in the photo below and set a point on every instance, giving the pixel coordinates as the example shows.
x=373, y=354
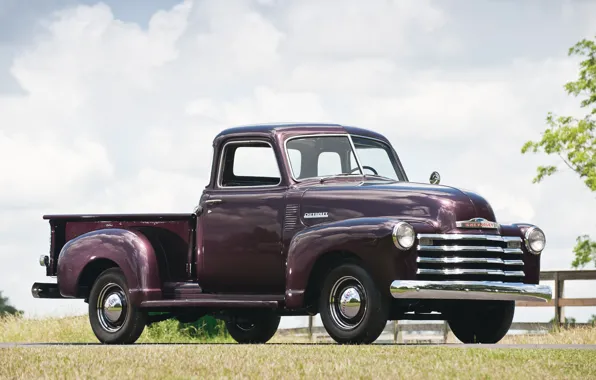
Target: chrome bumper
x=470, y=290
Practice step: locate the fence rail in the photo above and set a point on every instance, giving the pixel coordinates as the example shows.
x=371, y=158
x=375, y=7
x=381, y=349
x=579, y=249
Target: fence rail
x=558, y=302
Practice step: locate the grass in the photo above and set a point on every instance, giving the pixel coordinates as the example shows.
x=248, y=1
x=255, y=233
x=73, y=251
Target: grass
x=220, y=360
x=77, y=330
x=272, y=361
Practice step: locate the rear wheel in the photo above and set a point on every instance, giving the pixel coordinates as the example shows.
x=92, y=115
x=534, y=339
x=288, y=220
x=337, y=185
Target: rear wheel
x=482, y=322
x=113, y=319
x=253, y=328
x=352, y=308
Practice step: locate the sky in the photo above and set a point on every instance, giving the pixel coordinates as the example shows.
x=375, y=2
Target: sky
x=112, y=106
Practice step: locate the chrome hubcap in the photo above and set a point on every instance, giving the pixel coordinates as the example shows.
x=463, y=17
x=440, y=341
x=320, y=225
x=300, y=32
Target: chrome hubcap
x=111, y=307
x=347, y=303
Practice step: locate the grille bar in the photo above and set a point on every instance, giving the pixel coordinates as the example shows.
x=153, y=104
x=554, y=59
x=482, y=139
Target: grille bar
x=468, y=248
x=469, y=237
x=460, y=271
x=463, y=257
x=467, y=260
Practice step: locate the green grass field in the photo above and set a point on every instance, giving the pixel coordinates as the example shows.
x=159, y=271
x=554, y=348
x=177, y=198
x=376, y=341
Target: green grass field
x=220, y=358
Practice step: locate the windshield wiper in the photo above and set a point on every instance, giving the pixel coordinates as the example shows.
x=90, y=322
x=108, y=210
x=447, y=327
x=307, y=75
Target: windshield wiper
x=379, y=176
x=323, y=179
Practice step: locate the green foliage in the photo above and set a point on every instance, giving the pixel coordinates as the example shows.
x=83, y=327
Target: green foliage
x=6, y=308
x=171, y=330
x=205, y=327
x=585, y=252
x=569, y=322
x=574, y=139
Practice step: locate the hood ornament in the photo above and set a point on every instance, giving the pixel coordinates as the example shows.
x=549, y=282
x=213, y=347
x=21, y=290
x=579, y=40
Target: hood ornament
x=477, y=223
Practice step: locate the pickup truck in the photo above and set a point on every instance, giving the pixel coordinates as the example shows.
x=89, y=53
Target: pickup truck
x=301, y=219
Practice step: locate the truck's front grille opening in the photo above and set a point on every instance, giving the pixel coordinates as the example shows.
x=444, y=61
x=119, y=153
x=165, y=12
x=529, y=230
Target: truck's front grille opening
x=461, y=257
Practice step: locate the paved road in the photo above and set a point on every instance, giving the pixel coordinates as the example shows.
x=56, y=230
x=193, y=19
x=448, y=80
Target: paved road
x=453, y=345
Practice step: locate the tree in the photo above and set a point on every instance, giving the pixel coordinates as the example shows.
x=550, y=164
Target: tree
x=6, y=309
x=574, y=139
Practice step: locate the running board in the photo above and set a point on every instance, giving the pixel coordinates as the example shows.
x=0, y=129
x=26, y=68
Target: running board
x=219, y=300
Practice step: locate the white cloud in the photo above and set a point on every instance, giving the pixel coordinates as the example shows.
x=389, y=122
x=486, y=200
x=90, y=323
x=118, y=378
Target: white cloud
x=120, y=118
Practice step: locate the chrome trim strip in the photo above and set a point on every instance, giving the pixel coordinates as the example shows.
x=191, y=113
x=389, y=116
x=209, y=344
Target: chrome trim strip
x=471, y=290
x=355, y=154
x=458, y=260
x=239, y=140
x=458, y=271
x=467, y=260
x=469, y=237
x=468, y=248
x=458, y=248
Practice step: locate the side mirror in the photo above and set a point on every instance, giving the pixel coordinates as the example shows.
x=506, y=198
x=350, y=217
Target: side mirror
x=435, y=178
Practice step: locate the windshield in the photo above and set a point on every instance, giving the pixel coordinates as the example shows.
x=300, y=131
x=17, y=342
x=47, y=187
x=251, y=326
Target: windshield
x=324, y=155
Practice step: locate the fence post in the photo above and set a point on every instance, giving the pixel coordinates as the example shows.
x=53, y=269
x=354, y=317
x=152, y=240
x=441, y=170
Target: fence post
x=559, y=312
x=445, y=331
x=395, y=327
x=310, y=327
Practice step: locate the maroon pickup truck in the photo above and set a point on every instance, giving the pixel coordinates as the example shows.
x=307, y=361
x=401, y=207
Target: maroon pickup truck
x=300, y=219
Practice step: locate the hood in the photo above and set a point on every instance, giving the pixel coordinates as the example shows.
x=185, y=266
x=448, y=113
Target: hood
x=438, y=205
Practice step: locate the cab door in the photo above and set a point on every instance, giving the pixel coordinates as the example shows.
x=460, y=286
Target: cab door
x=242, y=220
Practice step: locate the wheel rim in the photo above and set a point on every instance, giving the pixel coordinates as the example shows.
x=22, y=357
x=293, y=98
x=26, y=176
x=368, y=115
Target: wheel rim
x=112, y=307
x=347, y=303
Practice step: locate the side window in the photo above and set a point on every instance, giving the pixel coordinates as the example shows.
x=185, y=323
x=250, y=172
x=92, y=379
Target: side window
x=249, y=164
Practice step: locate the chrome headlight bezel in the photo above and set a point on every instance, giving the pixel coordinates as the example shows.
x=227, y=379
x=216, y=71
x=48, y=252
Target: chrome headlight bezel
x=528, y=243
x=398, y=239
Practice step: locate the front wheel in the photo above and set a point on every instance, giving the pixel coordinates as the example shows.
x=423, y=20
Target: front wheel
x=352, y=308
x=255, y=328
x=482, y=321
x=113, y=319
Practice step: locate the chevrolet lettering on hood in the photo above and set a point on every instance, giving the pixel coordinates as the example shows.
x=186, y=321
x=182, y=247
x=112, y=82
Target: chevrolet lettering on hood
x=477, y=223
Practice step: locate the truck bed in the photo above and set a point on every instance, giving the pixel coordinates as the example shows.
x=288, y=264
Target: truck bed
x=172, y=235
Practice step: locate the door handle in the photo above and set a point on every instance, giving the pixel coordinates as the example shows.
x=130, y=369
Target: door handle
x=213, y=201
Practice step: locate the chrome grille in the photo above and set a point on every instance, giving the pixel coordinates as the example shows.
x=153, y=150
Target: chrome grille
x=470, y=257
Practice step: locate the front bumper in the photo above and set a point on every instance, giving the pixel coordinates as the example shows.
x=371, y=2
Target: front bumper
x=470, y=290
x=45, y=290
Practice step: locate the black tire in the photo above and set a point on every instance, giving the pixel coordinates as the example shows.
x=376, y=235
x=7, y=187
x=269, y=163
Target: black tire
x=363, y=316
x=482, y=322
x=131, y=321
x=253, y=329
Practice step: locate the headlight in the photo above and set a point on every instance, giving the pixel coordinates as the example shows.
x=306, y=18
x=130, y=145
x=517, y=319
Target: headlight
x=535, y=240
x=403, y=236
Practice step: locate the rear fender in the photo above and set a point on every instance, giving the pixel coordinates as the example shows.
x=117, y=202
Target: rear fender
x=129, y=249
x=367, y=238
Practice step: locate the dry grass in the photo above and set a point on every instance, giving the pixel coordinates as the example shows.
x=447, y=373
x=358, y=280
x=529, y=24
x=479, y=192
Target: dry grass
x=78, y=330
x=576, y=335
x=293, y=361
x=276, y=360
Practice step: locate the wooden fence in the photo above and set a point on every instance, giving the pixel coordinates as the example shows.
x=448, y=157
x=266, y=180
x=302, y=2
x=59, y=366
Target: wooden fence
x=558, y=302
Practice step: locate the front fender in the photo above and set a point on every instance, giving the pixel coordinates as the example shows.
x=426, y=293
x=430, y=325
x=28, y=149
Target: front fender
x=130, y=250
x=368, y=238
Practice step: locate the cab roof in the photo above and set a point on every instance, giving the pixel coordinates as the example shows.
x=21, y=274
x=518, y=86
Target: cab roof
x=296, y=127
